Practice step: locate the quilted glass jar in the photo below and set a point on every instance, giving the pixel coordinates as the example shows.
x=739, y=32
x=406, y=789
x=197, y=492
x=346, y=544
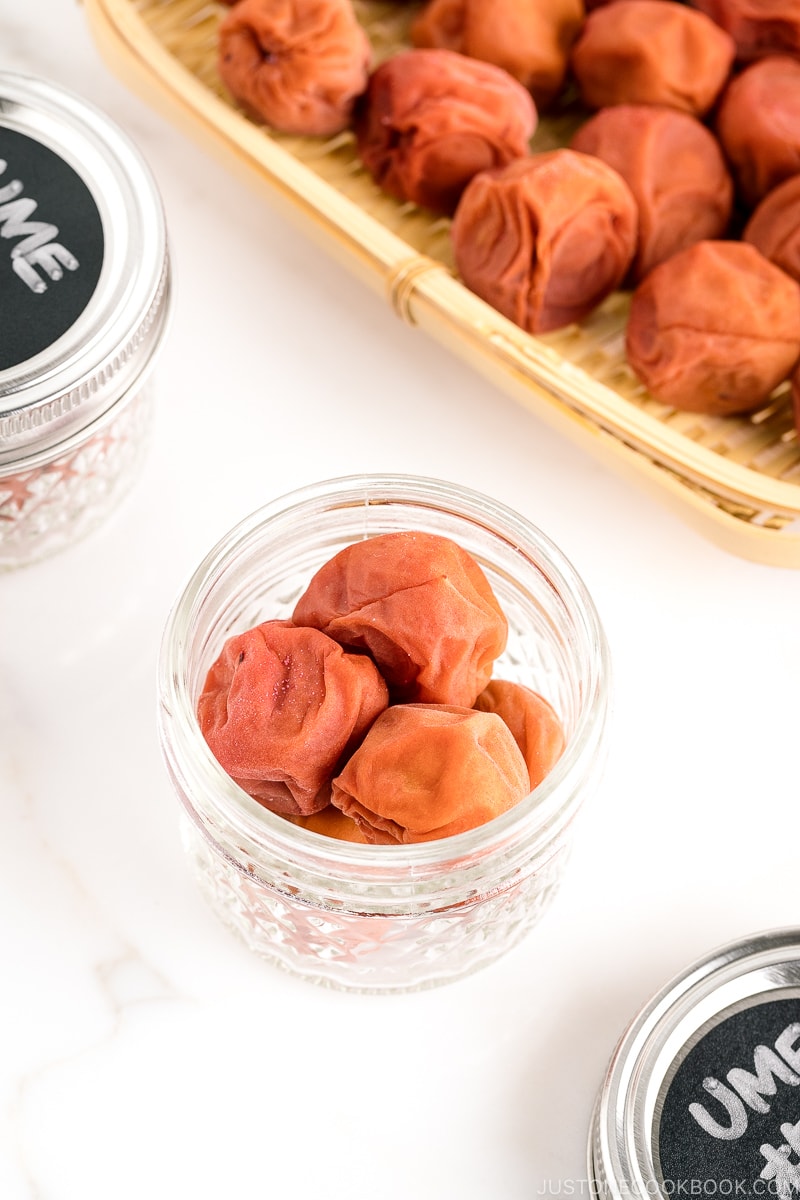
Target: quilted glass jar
x=383, y=918
x=84, y=296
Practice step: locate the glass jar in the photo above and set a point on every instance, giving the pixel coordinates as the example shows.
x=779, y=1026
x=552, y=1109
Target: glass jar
x=383, y=918
x=700, y=1098
x=84, y=293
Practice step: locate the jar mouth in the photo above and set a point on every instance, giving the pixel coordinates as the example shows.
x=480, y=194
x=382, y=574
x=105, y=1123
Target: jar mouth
x=535, y=821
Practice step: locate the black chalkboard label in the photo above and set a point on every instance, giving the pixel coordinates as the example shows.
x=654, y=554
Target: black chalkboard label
x=51, y=247
x=728, y=1119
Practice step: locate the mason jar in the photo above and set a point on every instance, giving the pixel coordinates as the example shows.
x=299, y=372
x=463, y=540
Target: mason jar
x=378, y=917
x=84, y=296
x=702, y=1093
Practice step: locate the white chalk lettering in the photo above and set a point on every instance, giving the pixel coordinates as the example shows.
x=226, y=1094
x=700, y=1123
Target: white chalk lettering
x=732, y=1104
x=750, y=1087
x=753, y=1087
x=780, y=1171
x=785, y=1045
x=38, y=251
x=11, y=189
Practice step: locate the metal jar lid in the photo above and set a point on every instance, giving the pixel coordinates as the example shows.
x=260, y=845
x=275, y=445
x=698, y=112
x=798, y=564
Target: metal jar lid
x=84, y=276
x=702, y=1095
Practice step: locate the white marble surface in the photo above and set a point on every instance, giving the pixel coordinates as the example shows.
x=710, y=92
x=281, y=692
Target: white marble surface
x=143, y=1051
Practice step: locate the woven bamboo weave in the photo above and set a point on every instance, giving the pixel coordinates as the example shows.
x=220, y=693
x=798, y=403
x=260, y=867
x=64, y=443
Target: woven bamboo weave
x=736, y=479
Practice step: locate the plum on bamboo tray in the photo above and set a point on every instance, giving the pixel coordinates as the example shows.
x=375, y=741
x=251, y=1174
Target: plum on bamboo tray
x=736, y=479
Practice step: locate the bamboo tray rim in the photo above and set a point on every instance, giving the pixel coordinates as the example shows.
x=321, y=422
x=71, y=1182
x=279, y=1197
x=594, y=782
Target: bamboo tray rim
x=410, y=277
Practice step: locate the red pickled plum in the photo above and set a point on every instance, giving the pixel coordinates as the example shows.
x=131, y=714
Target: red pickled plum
x=296, y=65
x=530, y=39
x=432, y=119
x=420, y=605
x=714, y=329
x=675, y=170
x=428, y=771
x=532, y=721
x=651, y=52
x=280, y=708
x=547, y=238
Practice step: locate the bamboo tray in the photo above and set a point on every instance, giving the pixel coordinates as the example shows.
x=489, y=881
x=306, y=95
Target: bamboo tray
x=736, y=479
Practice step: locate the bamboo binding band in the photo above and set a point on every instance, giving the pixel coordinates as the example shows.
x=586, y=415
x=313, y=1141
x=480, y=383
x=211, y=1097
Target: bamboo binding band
x=403, y=280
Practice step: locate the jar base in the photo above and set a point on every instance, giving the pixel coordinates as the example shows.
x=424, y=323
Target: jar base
x=371, y=954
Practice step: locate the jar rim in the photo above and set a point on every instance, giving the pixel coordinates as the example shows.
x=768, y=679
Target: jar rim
x=545, y=810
